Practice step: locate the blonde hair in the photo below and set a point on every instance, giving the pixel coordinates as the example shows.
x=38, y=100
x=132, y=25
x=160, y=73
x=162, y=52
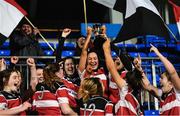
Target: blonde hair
x=89, y=87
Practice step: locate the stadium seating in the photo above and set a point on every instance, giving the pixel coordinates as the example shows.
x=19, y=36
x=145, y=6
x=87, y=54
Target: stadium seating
x=151, y=112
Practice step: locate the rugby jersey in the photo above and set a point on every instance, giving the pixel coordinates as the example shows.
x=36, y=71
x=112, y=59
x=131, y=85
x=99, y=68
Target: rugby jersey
x=128, y=104
x=113, y=88
x=96, y=105
x=171, y=104
x=10, y=100
x=46, y=101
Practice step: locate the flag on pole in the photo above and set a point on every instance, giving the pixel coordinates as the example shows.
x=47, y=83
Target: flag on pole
x=140, y=18
x=176, y=9
x=11, y=14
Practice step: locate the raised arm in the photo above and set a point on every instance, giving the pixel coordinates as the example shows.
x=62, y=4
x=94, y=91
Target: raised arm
x=111, y=66
x=2, y=64
x=145, y=82
x=14, y=61
x=169, y=67
x=33, y=79
x=83, y=58
x=61, y=40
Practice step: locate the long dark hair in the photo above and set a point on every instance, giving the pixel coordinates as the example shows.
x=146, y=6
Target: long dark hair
x=50, y=78
x=134, y=79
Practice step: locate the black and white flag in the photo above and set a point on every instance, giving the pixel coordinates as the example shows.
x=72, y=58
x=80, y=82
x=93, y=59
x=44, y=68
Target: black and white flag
x=140, y=18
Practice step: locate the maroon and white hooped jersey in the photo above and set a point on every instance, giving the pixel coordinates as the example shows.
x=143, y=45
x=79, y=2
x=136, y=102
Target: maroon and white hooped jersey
x=113, y=88
x=99, y=74
x=72, y=92
x=46, y=101
x=128, y=104
x=9, y=100
x=171, y=104
x=96, y=105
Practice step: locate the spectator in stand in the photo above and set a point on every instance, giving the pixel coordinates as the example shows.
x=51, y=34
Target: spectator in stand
x=169, y=94
x=10, y=100
x=25, y=42
x=128, y=104
x=93, y=103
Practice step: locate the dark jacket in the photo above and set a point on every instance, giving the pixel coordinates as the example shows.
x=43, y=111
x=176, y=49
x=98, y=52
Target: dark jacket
x=23, y=45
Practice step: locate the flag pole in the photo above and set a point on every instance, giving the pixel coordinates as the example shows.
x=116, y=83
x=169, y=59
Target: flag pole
x=171, y=32
x=40, y=34
x=85, y=15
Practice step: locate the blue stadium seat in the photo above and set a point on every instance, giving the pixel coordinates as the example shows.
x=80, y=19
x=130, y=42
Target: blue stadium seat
x=152, y=54
x=150, y=38
x=70, y=44
x=174, y=29
x=68, y=53
x=149, y=76
x=171, y=45
x=160, y=45
x=158, y=79
x=178, y=47
x=45, y=45
x=155, y=40
x=5, y=44
x=158, y=63
x=151, y=112
x=4, y=52
x=130, y=45
x=145, y=63
x=140, y=46
x=48, y=52
x=119, y=45
x=135, y=54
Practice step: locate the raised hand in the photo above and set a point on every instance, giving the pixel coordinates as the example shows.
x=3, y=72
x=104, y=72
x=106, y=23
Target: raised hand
x=66, y=32
x=137, y=63
x=89, y=30
x=2, y=64
x=14, y=59
x=36, y=31
x=153, y=49
x=30, y=62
